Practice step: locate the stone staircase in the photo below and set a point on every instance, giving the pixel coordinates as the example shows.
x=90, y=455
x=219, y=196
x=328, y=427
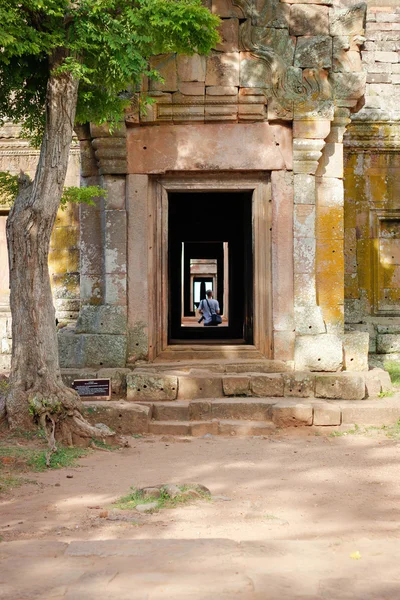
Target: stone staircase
x=246, y=397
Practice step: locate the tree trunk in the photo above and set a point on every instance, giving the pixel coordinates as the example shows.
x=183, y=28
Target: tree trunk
x=36, y=387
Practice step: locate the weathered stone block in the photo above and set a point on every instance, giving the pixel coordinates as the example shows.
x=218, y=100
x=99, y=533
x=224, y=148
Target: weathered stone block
x=199, y=410
x=387, y=343
x=370, y=413
x=299, y=385
x=122, y=417
x=229, y=32
x=151, y=386
x=192, y=88
x=304, y=255
x=309, y=320
x=70, y=350
x=117, y=377
x=116, y=192
x=165, y=64
x=199, y=387
x=355, y=346
x=346, y=386
x=304, y=220
x=104, y=350
x=348, y=21
x=223, y=69
x=313, y=51
x=102, y=319
x=191, y=68
x=284, y=345
x=270, y=385
x=69, y=375
x=304, y=188
x=236, y=385
x=376, y=381
x=290, y=414
x=248, y=410
x=327, y=414
x=308, y=20
x=203, y=428
x=318, y=353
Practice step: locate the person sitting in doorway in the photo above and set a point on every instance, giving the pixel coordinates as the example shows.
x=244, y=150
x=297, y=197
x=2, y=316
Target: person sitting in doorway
x=207, y=307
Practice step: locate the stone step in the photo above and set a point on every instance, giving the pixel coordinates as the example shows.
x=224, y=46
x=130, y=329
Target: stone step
x=216, y=427
x=152, y=386
x=196, y=352
x=240, y=416
x=222, y=366
x=245, y=409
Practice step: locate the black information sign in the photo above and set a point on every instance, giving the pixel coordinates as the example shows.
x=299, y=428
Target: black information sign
x=92, y=387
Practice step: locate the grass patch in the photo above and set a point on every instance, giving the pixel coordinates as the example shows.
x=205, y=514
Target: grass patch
x=393, y=368
x=386, y=394
x=130, y=501
x=33, y=459
x=10, y=482
x=390, y=431
x=103, y=445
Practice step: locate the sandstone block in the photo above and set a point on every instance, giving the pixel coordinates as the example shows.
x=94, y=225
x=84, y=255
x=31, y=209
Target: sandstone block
x=225, y=8
x=199, y=387
x=199, y=410
x=166, y=65
x=299, y=385
x=229, y=32
x=284, y=345
x=290, y=414
x=248, y=410
x=70, y=350
x=236, y=385
x=221, y=90
x=191, y=68
x=192, y=88
x=169, y=428
x=309, y=320
x=304, y=220
x=117, y=377
x=69, y=375
x=171, y=411
x=327, y=414
x=304, y=185
x=116, y=192
x=304, y=255
x=387, y=343
x=346, y=386
x=348, y=21
x=376, y=381
x=223, y=69
x=203, y=428
x=149, y=386
x=104, y=350
x=386, y=57
x=355, y=346
x=102, y=319
x=309, y=20
x=370, y=413
x=313, y=51
x=268, y=385
x=122, y=417
x=318, y=353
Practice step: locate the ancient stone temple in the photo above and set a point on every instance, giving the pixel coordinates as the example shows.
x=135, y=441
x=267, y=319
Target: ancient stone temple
x=268, y=171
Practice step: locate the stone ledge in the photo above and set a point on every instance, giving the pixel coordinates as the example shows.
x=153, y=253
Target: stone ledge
x=122, y=417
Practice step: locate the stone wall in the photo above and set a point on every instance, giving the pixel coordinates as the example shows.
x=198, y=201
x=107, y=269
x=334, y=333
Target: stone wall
x=372, y=192
x=15, y=155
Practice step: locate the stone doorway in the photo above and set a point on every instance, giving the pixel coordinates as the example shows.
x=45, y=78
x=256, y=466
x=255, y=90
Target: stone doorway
x=149, y=300
x=210, y=246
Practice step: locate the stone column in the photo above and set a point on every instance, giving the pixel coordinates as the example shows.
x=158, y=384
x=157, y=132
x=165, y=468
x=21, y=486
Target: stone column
x=315, y=349
x=100, y=336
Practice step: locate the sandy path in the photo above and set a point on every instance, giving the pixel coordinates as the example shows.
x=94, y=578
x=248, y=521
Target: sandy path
x=287, y=487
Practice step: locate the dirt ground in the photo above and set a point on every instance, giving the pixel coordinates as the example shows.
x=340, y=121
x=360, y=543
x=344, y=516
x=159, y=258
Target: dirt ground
x=295, y=486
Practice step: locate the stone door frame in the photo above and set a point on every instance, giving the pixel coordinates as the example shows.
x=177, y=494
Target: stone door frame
x=159, y=188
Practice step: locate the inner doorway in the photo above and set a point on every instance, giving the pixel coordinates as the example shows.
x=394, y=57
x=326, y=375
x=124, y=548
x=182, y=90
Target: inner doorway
x=210, y=247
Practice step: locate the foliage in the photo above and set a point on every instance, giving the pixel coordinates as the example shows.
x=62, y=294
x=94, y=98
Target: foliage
x=84, y=195
x=73, y=195
x=393, y=368
x=104, y=43
x=34, y=459
x=8, y=188
x=130, y=501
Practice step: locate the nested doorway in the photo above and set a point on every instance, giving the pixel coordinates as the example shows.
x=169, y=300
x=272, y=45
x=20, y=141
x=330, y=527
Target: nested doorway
x=210, y=247
x=241, y=268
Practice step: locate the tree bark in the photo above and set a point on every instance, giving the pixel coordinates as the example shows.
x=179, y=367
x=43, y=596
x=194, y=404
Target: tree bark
x=36, y=387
